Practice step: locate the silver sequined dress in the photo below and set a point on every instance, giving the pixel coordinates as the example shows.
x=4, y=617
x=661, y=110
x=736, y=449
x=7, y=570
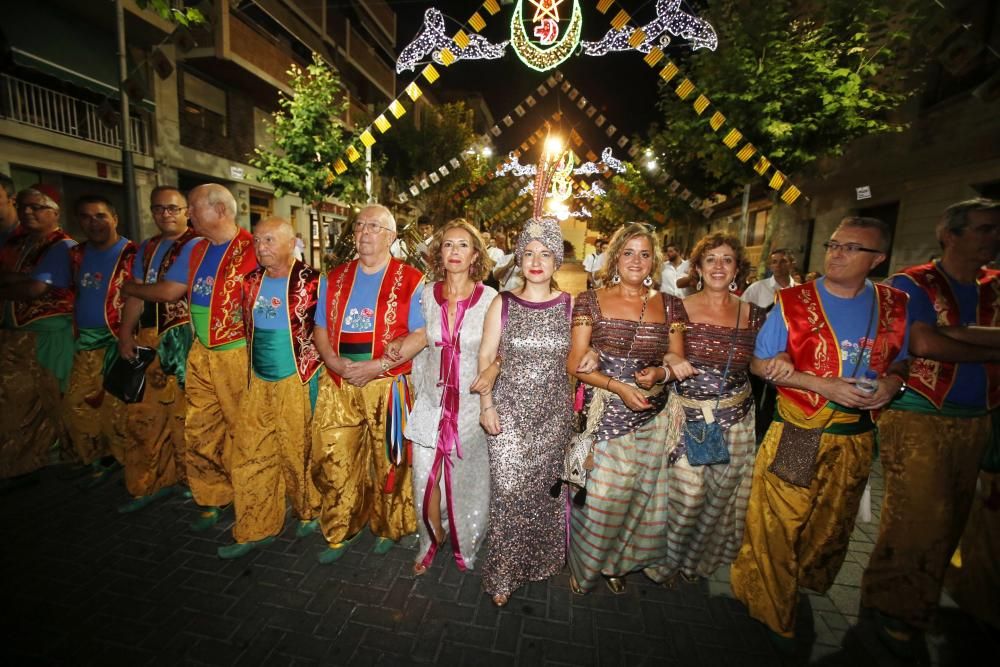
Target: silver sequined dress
x=526, y=538
x=464, y=509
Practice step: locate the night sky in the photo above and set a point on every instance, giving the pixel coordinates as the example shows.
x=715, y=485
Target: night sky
x=620, y=85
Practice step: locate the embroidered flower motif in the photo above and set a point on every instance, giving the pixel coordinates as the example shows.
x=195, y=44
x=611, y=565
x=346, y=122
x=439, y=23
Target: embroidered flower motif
x=275, y=301
x=535, y=229
x=265, y=309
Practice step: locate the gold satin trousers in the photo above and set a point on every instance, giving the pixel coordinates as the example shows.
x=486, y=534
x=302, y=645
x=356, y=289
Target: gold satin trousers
x=272, y=458
x=30, y=409
x=216, y=382
x=95, y=420
x=798, y=536
x=154, y=431
x=930, y=464
x=351, y=467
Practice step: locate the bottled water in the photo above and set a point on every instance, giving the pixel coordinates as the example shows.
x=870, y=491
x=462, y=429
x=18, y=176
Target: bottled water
x=868, y=383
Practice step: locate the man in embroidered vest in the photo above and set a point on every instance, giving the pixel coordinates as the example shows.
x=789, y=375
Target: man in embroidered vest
x=932, y=438
x=154, y=447
x=209, y=271
x=272, y=456
x=36, y=333
x=818, y=339
x=102, y=264
x=361, y=460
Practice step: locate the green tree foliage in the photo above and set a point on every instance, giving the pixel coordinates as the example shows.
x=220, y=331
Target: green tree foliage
x=415, y=146
x=308, y=136
x=167, y=10
x=801, y=80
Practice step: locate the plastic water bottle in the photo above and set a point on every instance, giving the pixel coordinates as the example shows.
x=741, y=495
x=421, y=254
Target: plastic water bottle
x=868, y=383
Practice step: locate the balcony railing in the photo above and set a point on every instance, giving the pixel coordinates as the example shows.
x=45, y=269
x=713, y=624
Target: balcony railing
x=36, y=105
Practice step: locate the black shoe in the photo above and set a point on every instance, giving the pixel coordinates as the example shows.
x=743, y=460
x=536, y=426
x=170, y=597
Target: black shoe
x=896, y=635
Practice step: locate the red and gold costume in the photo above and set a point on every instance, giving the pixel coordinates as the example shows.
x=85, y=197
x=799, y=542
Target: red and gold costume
x=361, y=460
x=36, y=355
x=931, y=442
x=272, y=453
x=95, y=419
x=154, y=450
x=797, y=536
x=216, y=372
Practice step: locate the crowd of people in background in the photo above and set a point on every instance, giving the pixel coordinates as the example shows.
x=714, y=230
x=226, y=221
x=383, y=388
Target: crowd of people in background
x=374, y=396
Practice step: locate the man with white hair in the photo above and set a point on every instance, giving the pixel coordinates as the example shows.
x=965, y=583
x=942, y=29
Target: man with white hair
x=210, y=272
x=36, y=332
x=271, y=452
x=361, y=461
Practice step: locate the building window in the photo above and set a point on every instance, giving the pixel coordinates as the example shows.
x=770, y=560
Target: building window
x=204, y=106
x=756, y=226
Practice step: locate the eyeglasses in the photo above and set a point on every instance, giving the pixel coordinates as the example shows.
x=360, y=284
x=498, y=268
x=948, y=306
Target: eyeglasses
x=848, y=248
x=172, y=210
x=35, y=208
x=370, y=227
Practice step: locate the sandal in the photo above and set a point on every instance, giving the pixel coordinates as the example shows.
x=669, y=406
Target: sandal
x=419, y=569
x=575, y=587
x=615, y=584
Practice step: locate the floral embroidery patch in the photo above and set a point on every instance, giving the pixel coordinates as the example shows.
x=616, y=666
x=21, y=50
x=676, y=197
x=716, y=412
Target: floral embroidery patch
x=851, y=351
x=360, y=320
x=268, y=309
x=203, y=285
x=91, y=280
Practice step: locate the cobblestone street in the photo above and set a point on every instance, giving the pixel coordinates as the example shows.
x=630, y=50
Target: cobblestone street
x=86, y=585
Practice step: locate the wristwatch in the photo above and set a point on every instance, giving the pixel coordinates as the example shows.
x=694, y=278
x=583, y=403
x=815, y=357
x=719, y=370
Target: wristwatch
x=902, y=385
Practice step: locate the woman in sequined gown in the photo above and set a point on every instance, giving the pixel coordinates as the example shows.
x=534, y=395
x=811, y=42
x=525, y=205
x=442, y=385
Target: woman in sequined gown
x=708, y=503
x=619, y=528
x=449, y=446
x=528, y=417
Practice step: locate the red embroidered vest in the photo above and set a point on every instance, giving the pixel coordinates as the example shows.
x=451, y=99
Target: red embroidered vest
x=303, y=289
x=225, y=324
x=168, y=315
x=18, y=256
x=392, y=310
x=934, y=379
x=813, y=345
x=114, y=300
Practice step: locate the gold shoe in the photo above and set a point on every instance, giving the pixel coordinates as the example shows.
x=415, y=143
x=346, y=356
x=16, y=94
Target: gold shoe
x=615, y=584
x=575, y=587
x=500, y=600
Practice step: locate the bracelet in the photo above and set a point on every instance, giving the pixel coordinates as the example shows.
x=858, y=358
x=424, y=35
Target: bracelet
x=384, y=363
x=488, y=407
x=607, y=387
x=666, y=374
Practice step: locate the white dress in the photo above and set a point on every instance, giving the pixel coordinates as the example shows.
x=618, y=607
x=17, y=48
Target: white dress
x=463, y=469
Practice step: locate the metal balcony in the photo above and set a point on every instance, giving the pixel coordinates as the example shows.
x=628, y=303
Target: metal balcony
x=35, y=105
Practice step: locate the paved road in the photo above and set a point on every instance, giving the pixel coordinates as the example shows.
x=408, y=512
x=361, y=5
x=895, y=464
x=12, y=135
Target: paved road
x=85, y=585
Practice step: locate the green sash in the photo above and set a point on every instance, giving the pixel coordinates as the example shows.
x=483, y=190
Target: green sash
x=200, y=316
x=272, y=354
x=54, y=345
x=99, y=338
x=914, y=402
x=173, y=351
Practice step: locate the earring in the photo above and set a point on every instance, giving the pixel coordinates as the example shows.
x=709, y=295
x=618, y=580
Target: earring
x=648, y=281
x=615, y=279
x=733, y=285
x=699, y=285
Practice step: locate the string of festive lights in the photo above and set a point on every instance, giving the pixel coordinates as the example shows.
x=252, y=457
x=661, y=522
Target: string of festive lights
x=432, y=39
x=557, y=50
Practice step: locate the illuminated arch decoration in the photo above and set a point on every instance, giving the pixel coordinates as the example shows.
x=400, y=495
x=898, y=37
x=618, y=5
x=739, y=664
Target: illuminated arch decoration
x=545, y=20
x=544, y=49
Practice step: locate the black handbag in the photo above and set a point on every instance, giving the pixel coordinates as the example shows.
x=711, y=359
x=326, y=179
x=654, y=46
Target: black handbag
x=126, y=379
x=705, y=444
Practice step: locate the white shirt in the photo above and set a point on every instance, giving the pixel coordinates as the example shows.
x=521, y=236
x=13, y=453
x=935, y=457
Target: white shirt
x=669, y=275
x=512, y=274
x=398, y=249
x=762, y=291
x=495, y=253
x=300, y=247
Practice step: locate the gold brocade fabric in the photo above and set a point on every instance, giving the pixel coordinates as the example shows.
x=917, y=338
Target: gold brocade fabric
x=350, y=466
x=272, y=458
x=154, y=431
x=930, y=464
x=94, y=418
x=31, y=415
x=975, y=586
x=215, y=385
x=797, y=536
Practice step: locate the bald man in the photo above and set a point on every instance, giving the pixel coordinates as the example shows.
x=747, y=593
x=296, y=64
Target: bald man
x=210, y=272
x=271, y=452
x=361, y=461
